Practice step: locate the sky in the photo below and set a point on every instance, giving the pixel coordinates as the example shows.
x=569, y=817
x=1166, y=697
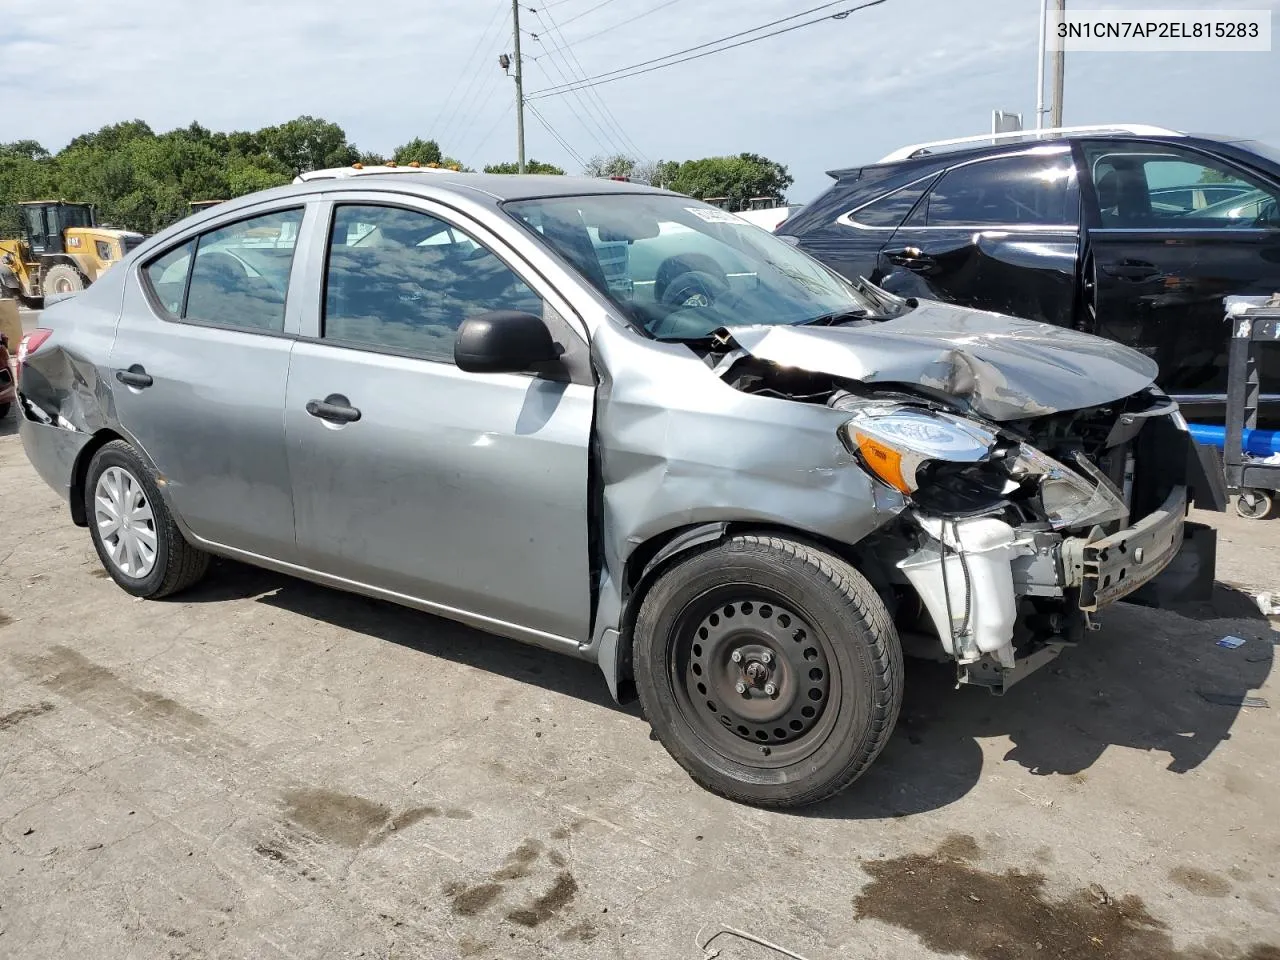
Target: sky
x=827, y=96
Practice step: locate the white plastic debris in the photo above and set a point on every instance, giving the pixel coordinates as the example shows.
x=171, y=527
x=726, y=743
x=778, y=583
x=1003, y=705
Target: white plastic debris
x=1268, y=604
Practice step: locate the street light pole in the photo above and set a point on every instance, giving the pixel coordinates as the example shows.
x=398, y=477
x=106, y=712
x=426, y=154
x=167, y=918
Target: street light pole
x=515, y=19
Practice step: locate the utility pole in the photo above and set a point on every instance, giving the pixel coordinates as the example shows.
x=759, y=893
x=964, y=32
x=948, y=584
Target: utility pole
x=515, y=19
x=1044, y=17
x=1059, y=69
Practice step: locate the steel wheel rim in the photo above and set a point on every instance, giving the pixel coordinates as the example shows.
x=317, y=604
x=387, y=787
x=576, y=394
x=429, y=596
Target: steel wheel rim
x=125, y=521
x=780, y=727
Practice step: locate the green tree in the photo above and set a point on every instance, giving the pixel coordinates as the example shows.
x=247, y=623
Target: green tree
x=530, y=166
x=738, y=178
x=308, y=144
x=616, y=165
x=25, y=149
x=425, y=152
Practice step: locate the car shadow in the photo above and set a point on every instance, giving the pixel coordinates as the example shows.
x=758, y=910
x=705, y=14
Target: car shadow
x=423, y=632
x=1139, y=683
x=9, y=425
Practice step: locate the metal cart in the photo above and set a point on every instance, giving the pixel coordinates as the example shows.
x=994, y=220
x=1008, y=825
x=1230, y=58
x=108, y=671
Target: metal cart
x=1254, y=321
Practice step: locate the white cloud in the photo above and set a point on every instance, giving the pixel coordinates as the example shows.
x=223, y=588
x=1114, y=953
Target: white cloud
x=826, y=96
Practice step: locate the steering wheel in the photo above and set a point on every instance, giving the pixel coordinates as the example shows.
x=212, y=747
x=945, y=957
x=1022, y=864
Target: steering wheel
x=694, y=289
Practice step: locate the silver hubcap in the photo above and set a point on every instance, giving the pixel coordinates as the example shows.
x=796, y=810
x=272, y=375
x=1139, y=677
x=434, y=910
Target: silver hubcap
x=125, y=522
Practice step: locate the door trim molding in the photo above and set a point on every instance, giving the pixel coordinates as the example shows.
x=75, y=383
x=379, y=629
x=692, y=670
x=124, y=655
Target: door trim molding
x=515, y=631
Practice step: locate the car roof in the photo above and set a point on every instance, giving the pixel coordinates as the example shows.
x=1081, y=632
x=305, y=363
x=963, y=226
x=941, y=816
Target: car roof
x=489, y=189
x=947, y=158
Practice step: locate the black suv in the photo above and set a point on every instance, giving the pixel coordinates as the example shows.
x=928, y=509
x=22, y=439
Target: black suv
x=1133, y=233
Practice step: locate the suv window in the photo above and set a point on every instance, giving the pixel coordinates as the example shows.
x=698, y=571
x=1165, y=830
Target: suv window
x=240, y=277
x=1023, y=190
x=1151, y=185
x=405, y=281
x=891, y=209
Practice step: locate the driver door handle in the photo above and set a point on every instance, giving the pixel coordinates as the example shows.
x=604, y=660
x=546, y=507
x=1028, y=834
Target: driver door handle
x=913, y=258
x=1131, y=269
x=334, y=408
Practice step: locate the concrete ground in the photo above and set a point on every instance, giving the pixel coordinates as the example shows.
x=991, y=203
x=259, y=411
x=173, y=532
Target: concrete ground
x=262, y=768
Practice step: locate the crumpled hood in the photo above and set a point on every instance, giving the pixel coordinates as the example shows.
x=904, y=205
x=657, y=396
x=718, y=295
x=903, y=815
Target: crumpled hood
x=1003, y=367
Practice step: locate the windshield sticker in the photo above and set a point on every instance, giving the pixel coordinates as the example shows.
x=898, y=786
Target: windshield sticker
x=712, y=215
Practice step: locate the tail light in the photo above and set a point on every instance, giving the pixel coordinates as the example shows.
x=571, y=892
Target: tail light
x=29, y=345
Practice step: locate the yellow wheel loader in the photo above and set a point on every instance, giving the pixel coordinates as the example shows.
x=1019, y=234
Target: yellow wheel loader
x=63, y=251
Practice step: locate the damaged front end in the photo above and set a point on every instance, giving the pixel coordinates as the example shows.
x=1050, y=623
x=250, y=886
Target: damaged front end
x=1018, y=529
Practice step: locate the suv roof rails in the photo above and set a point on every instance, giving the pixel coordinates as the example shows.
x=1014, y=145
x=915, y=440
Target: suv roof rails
x=1014, y=137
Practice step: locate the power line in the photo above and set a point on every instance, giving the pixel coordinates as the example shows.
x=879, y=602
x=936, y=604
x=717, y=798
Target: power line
x=559, y=139
x=579, y=16
x=612, y=75
x=472, y=90
x=622, y=23
x=497, y=123
x=585, y=118
x=467, y=69
x=581, y=74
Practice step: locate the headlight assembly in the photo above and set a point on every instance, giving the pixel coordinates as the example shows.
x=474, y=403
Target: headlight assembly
x=896, y=443
x=1069, y=499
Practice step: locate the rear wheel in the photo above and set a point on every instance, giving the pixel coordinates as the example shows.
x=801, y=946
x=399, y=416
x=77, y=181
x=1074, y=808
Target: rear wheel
x=769, y=669
x=135, y=536
x=62, y=278
x=4, y=409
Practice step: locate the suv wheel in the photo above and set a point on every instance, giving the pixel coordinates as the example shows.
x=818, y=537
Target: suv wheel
x=135, y=536
x=769, y=669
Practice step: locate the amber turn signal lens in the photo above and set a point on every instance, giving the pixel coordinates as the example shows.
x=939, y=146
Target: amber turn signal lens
x=883, y=461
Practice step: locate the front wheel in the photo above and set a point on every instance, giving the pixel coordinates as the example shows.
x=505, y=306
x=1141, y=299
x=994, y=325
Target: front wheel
x=769, y=669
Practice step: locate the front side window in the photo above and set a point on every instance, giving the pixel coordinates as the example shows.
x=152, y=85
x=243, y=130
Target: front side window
x=240, y=276
x=680, y=269
x=1028, y=190
x=1150, y=185
x=167, y=277
x=404, y=281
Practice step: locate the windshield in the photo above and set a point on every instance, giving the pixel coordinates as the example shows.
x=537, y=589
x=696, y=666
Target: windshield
x=680, y=269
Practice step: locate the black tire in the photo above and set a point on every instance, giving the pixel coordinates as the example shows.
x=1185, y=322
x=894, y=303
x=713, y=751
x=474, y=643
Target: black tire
x=61, y=278
x=4, y=409
x=177, y=564
x=780, y=591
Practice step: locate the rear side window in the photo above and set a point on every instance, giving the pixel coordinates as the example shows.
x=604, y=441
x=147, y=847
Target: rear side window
x=891, y=209
x=1007, y=191
x=240, y=274
x=404, y=281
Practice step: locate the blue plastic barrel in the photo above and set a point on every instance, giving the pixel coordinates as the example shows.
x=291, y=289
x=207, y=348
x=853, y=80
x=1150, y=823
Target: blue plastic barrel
x=1261, y=443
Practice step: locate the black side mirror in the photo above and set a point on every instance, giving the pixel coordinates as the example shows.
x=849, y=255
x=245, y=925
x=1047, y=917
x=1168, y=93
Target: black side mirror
x=504, y=341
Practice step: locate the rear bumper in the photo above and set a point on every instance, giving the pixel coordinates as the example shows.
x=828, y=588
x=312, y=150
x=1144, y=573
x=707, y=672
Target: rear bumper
x=52, y=450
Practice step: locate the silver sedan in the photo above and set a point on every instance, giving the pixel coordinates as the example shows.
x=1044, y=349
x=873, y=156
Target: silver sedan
x=620, y=424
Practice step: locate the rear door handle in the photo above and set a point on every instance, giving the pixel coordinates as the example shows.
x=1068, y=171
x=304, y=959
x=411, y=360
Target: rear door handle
x=1131, y=270
x=135, y=376
x=913, y=258
x=335, y=408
